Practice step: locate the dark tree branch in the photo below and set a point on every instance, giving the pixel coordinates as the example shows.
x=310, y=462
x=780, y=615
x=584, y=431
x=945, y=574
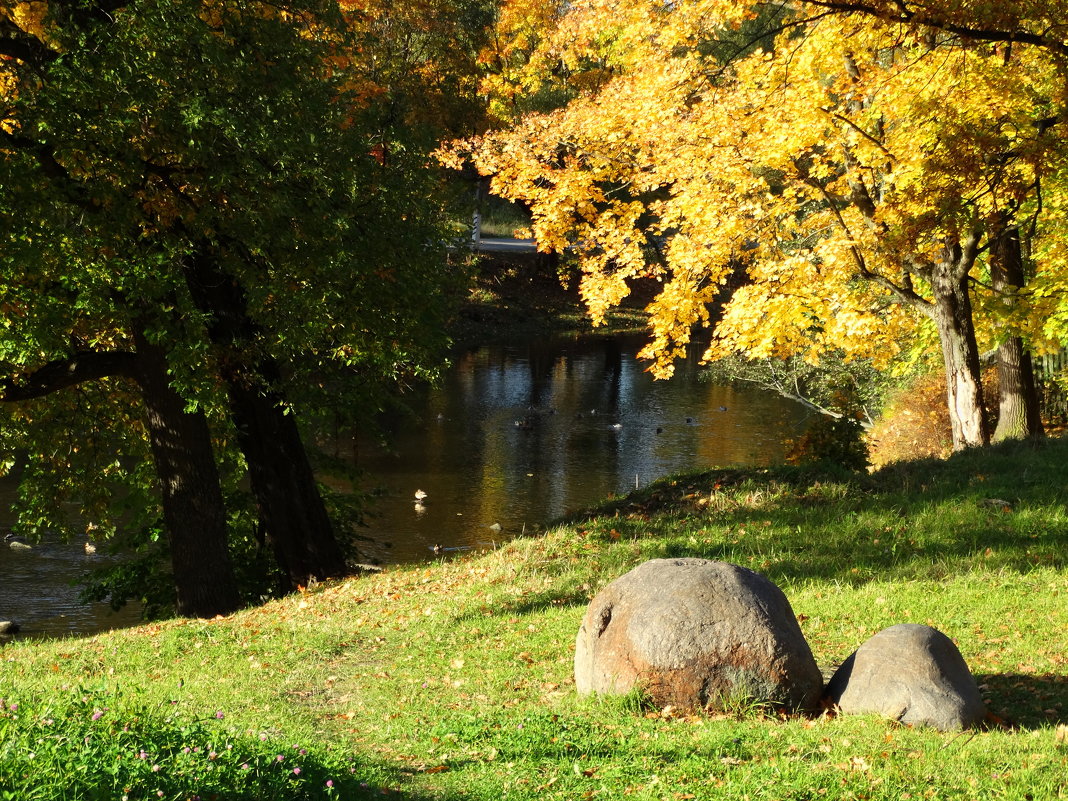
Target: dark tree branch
x=968, y=252
x=905, y=292
x=45, y=156
x=27, y=48
x=862, y=132
x=81, y=13
x=901, y=13
x=63, y=373
x=17, y=44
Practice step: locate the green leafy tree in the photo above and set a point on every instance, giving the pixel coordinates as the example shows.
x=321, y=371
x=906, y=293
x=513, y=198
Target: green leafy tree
x=210, y=209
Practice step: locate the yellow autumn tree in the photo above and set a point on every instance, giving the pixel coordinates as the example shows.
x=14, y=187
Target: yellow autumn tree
x=867, y=167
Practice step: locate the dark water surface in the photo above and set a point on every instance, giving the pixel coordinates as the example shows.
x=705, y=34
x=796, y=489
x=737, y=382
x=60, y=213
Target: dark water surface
x=36, y=591
x=517, y=436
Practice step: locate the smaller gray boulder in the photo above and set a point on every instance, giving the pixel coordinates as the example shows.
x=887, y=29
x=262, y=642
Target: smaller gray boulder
x=9, y=627
x=911, y=673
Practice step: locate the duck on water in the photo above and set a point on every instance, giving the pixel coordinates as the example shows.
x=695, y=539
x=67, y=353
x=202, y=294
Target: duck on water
x=16, y=542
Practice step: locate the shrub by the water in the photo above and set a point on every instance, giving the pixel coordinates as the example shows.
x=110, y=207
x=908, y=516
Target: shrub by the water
x=829, y=440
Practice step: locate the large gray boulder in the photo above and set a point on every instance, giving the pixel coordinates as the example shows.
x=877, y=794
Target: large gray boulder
x=913, y=674
x=696, y=633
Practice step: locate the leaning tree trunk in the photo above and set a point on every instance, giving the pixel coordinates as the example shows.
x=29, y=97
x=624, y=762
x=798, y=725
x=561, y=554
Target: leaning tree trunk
x=1019, y=415
x=193, y=507
x=290, y=506
x=191, y=496
x=951, y=311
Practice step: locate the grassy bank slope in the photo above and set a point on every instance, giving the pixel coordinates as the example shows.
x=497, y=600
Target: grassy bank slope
x=453, y=680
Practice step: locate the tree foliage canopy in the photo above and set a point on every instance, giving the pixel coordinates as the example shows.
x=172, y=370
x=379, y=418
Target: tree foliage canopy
x=861, y=162
x=239, y=187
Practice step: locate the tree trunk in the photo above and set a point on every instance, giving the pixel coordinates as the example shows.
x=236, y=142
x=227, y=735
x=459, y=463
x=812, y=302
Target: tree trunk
x=290, y=507
x=952, y=314
x=193, y=507
x=1019, y=414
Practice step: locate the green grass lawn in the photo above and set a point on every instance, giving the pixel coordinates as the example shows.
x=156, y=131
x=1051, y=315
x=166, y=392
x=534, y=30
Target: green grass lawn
x=454, y=680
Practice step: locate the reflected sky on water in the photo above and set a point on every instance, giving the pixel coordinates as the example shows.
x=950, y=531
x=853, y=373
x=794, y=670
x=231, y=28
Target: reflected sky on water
x=517, y=436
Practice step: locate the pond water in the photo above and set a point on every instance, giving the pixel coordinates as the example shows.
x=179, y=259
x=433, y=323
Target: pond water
x=519, y=435
x=514, y=437
x=37, y=589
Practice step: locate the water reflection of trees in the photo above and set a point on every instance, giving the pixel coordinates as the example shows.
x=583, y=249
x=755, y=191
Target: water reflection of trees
x=480, y=467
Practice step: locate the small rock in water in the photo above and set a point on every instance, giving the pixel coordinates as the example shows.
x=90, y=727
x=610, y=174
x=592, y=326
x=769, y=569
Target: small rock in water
x=9, y=627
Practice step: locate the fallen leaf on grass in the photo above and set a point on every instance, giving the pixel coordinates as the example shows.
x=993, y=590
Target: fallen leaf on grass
x=993, y=721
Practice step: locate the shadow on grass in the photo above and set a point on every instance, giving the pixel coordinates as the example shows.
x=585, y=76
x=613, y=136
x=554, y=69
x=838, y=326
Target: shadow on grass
x=108, y=742
x=1026, y=700
x=996, y=509
x=1000, y=508
x=574, y=596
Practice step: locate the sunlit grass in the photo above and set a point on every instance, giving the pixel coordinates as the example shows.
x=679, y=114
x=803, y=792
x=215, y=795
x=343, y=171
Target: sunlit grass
x=454, y=680
x=96, y=742
x=500, y=218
